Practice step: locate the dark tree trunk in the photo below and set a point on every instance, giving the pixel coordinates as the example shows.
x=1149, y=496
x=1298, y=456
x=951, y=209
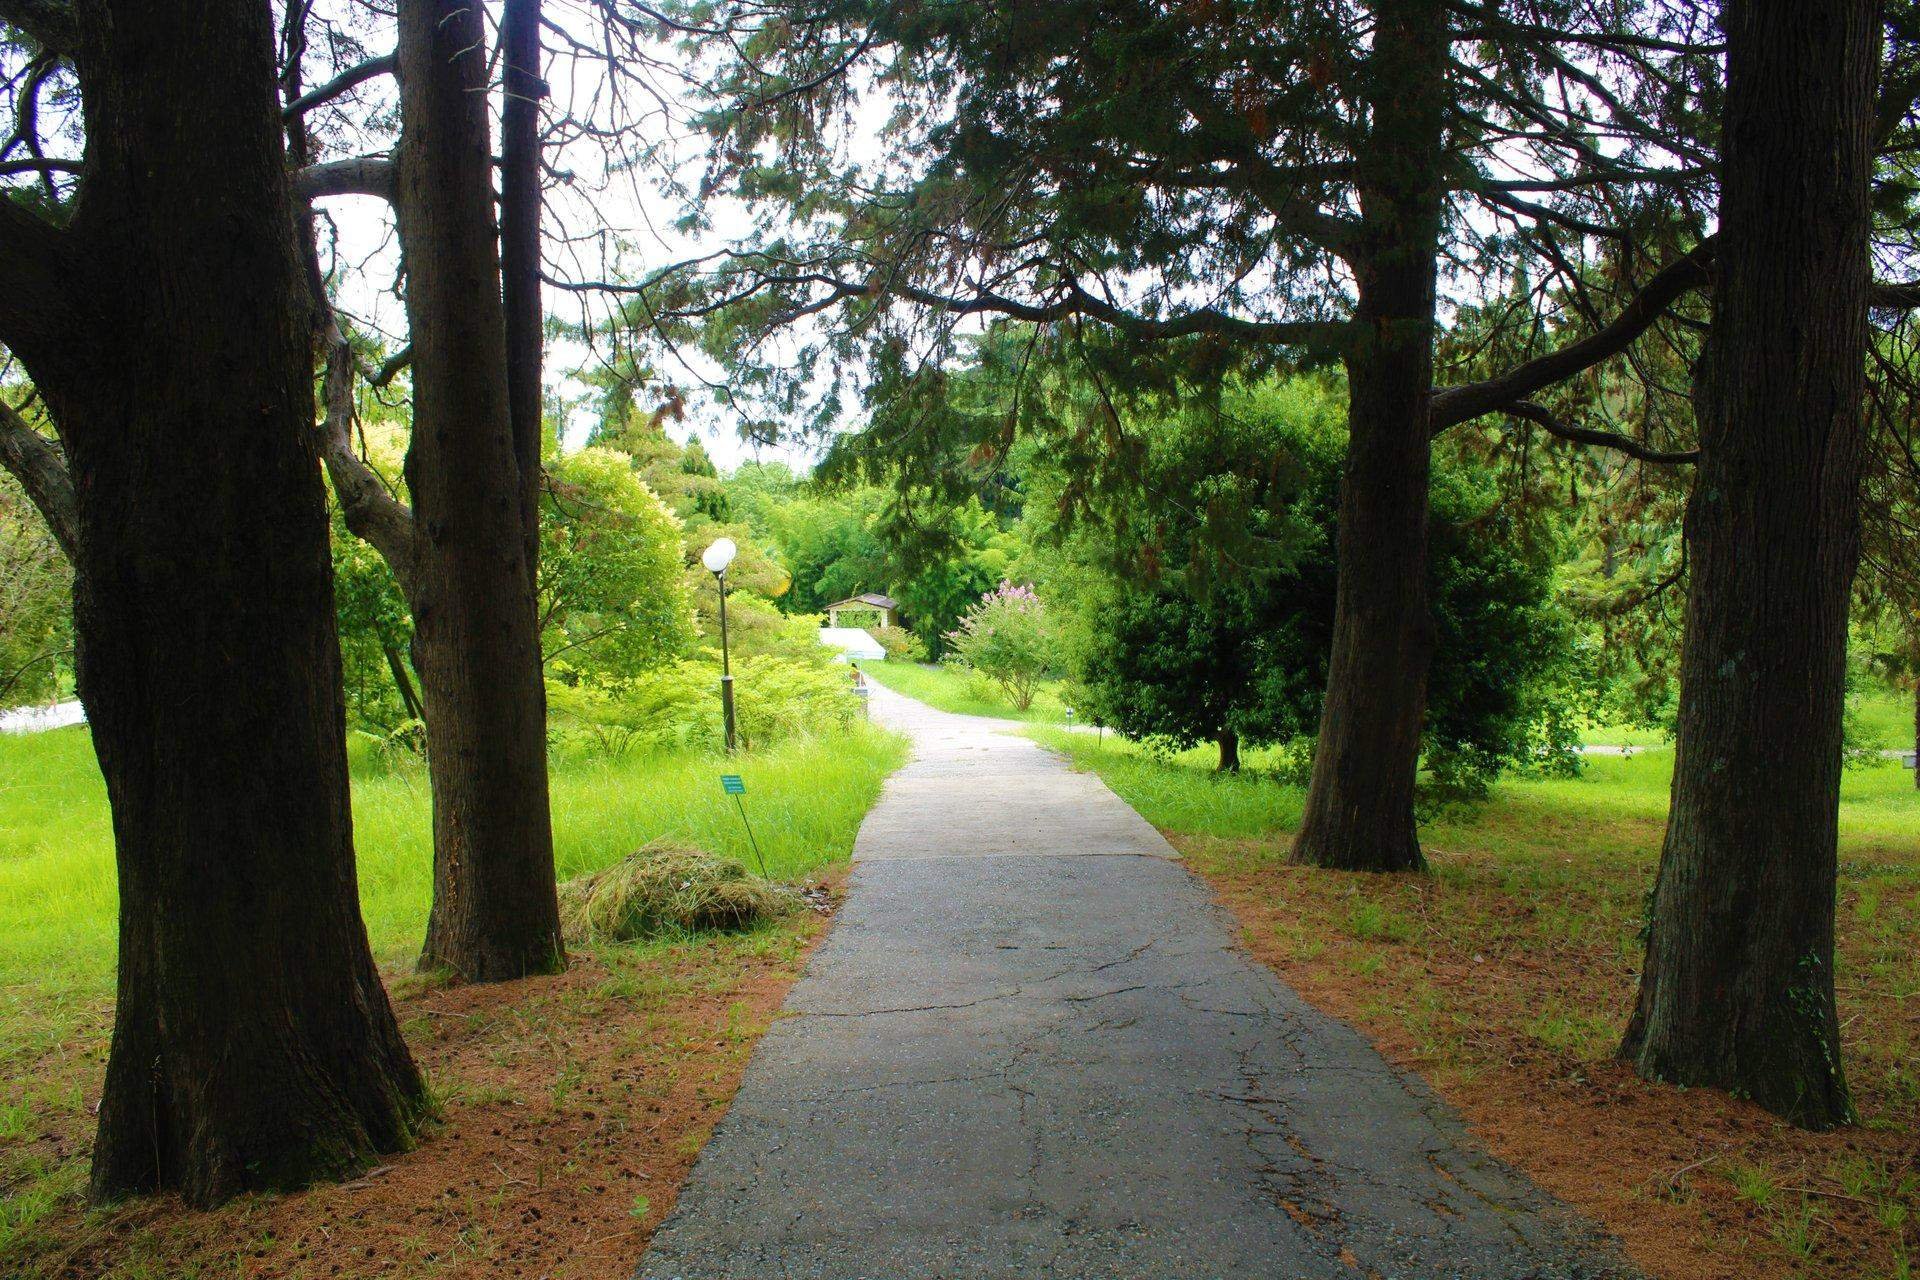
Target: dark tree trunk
x=253, y=1046
x=520, y=248
x=1229, y=743
x=1737, y=990
x=495, y=910
x=1359, y=808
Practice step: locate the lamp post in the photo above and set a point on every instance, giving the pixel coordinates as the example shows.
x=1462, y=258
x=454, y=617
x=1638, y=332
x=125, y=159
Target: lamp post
x=716, y=558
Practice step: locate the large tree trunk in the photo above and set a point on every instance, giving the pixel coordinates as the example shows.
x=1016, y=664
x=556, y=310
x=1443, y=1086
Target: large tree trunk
x=1359, y=807
x=520, y=248
x=495, y=910
x=1229, y=743
x=253, y=1046
x=1737, y=989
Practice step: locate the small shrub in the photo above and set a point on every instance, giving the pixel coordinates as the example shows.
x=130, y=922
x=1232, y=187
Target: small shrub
x=976, y=687
x=667, y=891
x=901, y=644
x=1007, y=637
x=775, y=697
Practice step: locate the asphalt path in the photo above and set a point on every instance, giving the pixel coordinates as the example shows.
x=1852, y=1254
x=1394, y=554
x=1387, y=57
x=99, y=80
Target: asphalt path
x=1032, y=1047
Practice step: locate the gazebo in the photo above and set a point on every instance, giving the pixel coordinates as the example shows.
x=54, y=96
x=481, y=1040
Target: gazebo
x=868, y=609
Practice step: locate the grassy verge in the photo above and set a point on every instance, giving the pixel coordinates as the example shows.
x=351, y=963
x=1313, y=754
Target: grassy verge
x=57, y=888
x=1880, y=718
x=967, y=695
x=1505, y=978
x=570, y=1107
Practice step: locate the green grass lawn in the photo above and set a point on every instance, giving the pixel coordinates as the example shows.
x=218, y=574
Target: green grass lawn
x=805, y=799
x=58, y=908
x=1880, y=718
x=967, y=694
x=1879, y=807
x=1625, y=735
x=1883, y=718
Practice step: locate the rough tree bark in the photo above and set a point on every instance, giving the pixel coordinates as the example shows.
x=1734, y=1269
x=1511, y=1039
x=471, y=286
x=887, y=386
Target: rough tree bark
x=253, y=1046
x=37, y=463
x=520, y=248
x=1229, y=743
x=1737, y=989
x=495, y=910
x=1359, y=807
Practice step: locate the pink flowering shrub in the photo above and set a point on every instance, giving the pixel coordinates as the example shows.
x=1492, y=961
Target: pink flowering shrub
x=1007, y=637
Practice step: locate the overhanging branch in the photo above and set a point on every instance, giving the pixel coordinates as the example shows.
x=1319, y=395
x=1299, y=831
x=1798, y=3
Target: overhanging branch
x=37, y=463
x=1895, y=295
x=48, y=23
x=346, y=80
x=1544, y=417
x=1455, y=405
x=1067, y=299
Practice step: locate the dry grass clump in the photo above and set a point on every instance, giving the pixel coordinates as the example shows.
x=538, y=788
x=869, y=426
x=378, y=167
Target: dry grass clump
x=666, y=890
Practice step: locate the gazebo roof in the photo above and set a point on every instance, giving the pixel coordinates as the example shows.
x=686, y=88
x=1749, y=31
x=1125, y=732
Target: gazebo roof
x=866, y=599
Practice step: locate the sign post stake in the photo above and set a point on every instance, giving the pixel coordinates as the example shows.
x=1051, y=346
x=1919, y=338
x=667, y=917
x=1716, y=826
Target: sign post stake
x=731, y=783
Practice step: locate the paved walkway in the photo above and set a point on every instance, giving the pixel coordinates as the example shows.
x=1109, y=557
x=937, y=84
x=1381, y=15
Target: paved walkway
x=1030, y=1047
x=57, y=715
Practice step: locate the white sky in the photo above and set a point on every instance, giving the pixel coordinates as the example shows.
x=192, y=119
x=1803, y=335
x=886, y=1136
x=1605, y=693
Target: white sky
x=627, y=210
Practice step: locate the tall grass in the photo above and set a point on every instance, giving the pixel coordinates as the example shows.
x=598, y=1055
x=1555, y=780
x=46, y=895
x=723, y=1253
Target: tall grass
x=805, y=799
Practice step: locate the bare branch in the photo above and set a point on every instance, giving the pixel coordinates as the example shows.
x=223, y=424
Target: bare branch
x=40, y=165
x=346, y=80
x=390, y=368
x=355, y=176
x=372, y=514
x=1895, y=295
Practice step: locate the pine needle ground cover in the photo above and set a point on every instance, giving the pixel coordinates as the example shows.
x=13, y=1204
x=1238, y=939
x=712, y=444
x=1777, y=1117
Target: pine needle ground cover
x=1506, y=976
x=568, y=1109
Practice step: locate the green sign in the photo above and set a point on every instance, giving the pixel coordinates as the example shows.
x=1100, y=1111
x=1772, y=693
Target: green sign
x=730, y=782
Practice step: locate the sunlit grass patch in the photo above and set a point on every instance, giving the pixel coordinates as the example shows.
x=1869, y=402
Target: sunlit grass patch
x=805, y=798
x=967, y=693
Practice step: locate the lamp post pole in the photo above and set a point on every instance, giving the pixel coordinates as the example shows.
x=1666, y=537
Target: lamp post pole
x=726, y=669
x=716, y=558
